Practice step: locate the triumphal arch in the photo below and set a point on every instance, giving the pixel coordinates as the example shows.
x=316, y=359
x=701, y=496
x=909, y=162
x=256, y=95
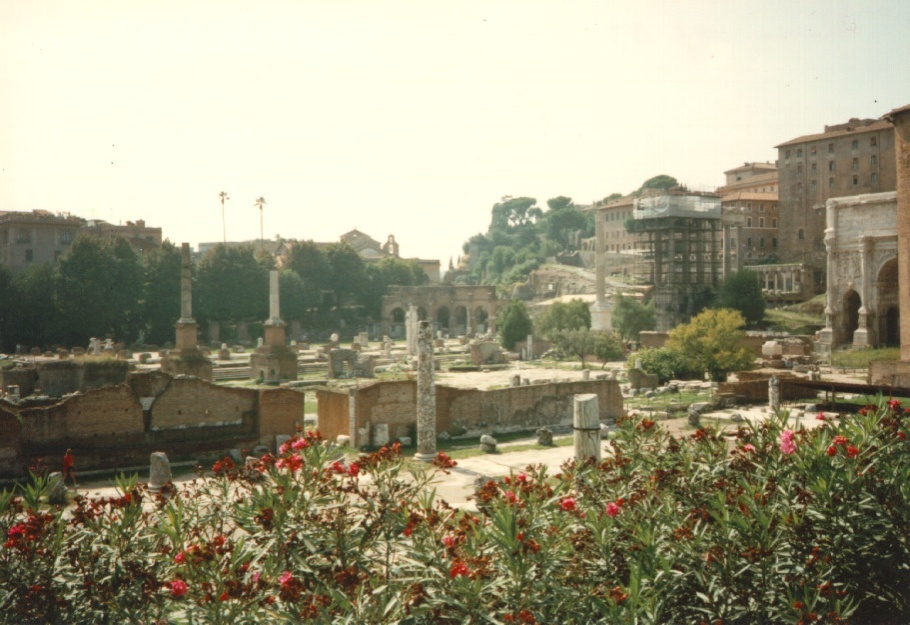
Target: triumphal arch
x=861, y=307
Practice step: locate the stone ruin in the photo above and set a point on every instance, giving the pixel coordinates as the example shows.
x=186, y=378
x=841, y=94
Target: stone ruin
x=349, y=363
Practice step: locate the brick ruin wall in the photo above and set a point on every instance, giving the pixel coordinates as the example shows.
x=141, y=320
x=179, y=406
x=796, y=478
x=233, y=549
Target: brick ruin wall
x=120, y=425
x=463, y=411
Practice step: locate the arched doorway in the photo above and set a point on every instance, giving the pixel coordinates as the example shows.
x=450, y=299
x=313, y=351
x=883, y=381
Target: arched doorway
x=398, y=315
x=850, y=322
x=889, y=333
x=461, y=320
x=480, y=320
x=442, y=317
x=421, y=313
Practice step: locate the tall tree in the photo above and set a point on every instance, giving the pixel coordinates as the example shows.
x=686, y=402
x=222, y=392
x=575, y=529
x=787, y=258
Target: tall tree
x=35, y=318
x=161, y=306
x=742, y=291
x=310, y=263
x=631, y=317
x=260, y=202
x=348, y=273
x=223, y=196
x=563, y=316
x=230, y=285
x=514, y=324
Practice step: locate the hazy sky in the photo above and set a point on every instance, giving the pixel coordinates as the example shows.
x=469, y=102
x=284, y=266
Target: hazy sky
x=413, y=117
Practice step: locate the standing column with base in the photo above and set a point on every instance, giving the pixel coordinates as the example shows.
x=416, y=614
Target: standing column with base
x=426, y=395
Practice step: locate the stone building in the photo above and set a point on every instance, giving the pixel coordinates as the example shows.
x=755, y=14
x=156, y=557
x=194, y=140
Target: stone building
x=37, y=237
x=846, y=159
x=751, y=191
x=614, y=253
x=455, y=310
x=861, y=300
x=143, y=238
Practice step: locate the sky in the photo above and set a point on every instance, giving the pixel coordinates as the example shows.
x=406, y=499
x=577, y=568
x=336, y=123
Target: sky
x=413, y=117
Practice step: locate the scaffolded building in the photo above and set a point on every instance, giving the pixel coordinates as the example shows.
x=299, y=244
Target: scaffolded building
x=679, y=240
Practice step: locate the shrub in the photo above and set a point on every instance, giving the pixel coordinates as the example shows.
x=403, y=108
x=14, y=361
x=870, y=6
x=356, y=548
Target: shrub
x=666, y=363
x=779, y=524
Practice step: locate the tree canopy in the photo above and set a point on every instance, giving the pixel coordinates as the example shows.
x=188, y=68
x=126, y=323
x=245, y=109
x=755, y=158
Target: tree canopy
x=631, y=317
x=713, y=342
x=559, y=316
x=742, y=291
x=514, y=324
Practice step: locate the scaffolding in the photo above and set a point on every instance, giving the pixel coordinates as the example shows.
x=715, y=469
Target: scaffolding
x=679, y=241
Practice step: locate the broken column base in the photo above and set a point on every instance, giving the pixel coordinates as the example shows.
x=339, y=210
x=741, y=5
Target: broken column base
x=889, y=372
x=273, y=364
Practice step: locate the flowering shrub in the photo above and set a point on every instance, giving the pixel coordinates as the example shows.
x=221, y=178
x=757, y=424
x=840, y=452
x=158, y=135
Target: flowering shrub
x=775, y=524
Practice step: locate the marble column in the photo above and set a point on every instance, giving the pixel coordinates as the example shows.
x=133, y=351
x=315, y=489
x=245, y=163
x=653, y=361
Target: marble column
x=826, y=336
x=861, y=336
x=586, y=425
x=426, y=395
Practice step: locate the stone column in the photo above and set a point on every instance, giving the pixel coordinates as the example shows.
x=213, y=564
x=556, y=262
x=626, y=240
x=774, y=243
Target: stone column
x=186, y=284
x=901, y=119
x=410, y=328
x=861, y=335
x=274, y=314
x=600, y=249
x=586, y=423
x=426, y=395
x=773, y=394
x=826, y=337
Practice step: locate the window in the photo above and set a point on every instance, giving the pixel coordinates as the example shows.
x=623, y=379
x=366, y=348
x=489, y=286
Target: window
x=799, y=169
x=873, y=141
x=23, y=235
x=761, y=208
x=855, y=180
x=830, y=183
x=761, y=242
x=855, y=144
x=29, y=255
x=813, y=167
x=774, y=223
x=813, y=185
x=801, y=234
x=749, y=222
x=799, y=152
x=855, y=164
x=774, y=242
x=874, y=160
x=812, y=150
x=799, y=187
x=874, y=177
x=830, y=148
x=787, y=154
x=749, y=242
x=66, y=237
x=831, y=166
x=761, y=222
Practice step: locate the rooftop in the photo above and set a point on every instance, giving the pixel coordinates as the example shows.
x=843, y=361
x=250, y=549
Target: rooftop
x=854, y=126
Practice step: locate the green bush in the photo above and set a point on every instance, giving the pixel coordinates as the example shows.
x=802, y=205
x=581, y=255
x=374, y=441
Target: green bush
x=668, y=364
x=774, y=525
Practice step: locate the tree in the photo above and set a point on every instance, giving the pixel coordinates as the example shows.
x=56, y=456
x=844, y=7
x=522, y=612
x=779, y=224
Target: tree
x=631, y=317
x=161, y=298
x=223, y=196
x=662, y=181
x=577, y=342
x=8, y=301
x=712, y=342
x=666, y=363
x=385, y=273
x=100, y=290
x=35, y=319
x=260, y=202
x=348, y=273
x=742, y=291
x=514, y=324
x=563, y=316
x=229, y=284
x=607, y=347
x=562, y=219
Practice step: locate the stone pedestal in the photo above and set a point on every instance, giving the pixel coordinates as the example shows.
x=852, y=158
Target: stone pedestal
x=159, y=471
x=186, y=337
x=56, y=489
x=602, y=316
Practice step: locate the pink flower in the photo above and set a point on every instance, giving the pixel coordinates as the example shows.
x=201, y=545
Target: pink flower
x=300, y=443
x=459, y=569
x=255, y=577
x=840, y=440
x=511, y=497
x=894, y=404
x=285, y=578
x=449, y=541
x=285, y=447
x=820, y=416
x=178, y=588
x=786, y=444
x=749, y=447
x=612, y=509
x=338, y=467
x=521, y=478
x=568, y=504
x=180, y=557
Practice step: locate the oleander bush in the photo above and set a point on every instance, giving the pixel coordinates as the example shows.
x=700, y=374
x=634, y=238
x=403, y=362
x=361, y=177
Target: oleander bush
x=770, y=524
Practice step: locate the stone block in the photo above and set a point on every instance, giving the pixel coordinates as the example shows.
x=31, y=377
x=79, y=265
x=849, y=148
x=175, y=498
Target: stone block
x=56, y=489
x=488, y=444
x=159, y=471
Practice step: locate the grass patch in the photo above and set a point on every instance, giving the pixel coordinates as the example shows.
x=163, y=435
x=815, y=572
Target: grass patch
x=670, y=401
x=793, y=321
x=860, y=358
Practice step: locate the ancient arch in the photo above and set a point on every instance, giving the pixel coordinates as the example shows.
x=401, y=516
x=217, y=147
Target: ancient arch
x=442, y=317
x=850, y=318
x=461, y=319
x=887, y=309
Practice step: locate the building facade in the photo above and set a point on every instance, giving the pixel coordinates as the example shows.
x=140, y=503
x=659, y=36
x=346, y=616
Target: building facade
x=35, y=238
x=751, y=192
x=845, y=160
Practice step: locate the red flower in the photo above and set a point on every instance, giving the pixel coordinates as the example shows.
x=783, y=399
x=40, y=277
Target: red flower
x=840, y=440
x=180, y=558
x=449, y=541
x=291, y=463
x=894, y=404
x=831, y=451
x=300, y=443
x=458, y=569
x=568, y=504
x=852, y=451
x=285, y=578
x=354, y=469
x=521, y=478
x=338, y=467
x=407, y=530
x=511, y=497
x=442, y=461
x=820, y=416
x=178, y=588
x=612, y=509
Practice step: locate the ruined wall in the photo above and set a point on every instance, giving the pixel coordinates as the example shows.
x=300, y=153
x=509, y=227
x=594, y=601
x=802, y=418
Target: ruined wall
x=191, y=402
x=332, y=413
x=756, y=390
x=460, y=411
x=57, y=378
x=889, y=372
x=112, y=412
x=10, y=433
x=280, y=411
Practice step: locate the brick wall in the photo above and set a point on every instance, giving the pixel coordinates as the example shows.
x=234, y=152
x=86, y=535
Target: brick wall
x=191, y=402
x=756, y=390
x=113, y=411
x=280, y=411
x=10, y=432
x=332, y=413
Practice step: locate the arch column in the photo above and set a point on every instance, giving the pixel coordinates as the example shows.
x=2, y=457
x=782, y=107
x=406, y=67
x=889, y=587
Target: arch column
x=861, y=336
